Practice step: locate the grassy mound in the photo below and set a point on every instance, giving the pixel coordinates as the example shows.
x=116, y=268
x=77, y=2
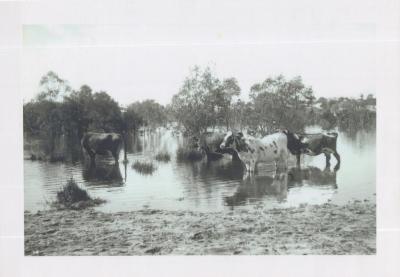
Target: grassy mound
x=185, y=154
x=163, y=157
x=144, y=167
x=71, y=196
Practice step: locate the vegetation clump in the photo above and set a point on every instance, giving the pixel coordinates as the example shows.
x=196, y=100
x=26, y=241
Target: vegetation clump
x=71, y=196
x=144, y=167
x=163, y=157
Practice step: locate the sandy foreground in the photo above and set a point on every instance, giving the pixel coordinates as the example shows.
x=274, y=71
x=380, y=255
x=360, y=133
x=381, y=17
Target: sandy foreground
x=319, y=229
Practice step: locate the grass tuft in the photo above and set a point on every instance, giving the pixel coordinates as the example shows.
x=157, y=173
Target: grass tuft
x=163, y=157
x=144, y=167
x=71, y=196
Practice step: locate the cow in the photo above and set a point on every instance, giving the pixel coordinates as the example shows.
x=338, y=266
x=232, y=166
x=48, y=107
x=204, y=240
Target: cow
x=314, y=145
x=102, y=143
x=251, y=150
x=209, y=142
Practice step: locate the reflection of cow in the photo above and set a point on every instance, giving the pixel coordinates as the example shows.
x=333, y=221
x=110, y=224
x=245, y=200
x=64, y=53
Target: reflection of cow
x=103, y=172
x=313, y=176
x=259, y=187
x=102, y=143
x=271, y=148
x=313, y=145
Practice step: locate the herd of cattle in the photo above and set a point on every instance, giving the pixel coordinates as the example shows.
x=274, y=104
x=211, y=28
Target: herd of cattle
x=244, y=148
x=275, y=147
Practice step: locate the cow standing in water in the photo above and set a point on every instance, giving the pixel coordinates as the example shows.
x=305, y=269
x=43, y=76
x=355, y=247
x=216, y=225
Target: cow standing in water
x=251, y=151
x=314, y=145
x=209, y=142
x=102, y=143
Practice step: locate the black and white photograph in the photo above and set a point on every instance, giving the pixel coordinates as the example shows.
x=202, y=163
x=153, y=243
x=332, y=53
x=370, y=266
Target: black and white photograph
x=191, y=128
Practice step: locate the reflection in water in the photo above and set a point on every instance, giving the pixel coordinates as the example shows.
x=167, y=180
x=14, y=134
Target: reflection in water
x=256, y=187
x=206, y=186
x=313, y=176
x=277, y=184
x=102, y=172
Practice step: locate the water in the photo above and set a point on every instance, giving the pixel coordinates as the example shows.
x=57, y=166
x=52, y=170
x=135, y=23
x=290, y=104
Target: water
x=210, y=186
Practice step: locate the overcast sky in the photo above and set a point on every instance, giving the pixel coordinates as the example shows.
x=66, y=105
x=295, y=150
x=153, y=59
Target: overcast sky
x=148, y=53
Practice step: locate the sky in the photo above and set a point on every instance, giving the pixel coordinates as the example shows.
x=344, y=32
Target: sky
x=147, y=52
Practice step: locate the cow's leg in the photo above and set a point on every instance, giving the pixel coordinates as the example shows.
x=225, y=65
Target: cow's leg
x=115, y=155
x=92, y=158
x=282, y=160
x=337, y=157
x=298, y=160
x=253, y=166
x=328, y=159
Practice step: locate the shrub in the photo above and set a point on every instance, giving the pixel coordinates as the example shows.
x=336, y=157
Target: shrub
x=74, y=197
x=144, y=167
x=163, y=157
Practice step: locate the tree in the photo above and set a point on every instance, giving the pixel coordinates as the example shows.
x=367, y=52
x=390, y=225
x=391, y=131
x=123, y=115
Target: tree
x=52, y=87
x=148, y=113
x=204, y=101
x=105, y=113
x=278, y=102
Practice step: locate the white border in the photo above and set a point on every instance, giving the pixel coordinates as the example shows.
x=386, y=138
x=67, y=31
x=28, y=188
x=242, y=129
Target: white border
x=13, y=262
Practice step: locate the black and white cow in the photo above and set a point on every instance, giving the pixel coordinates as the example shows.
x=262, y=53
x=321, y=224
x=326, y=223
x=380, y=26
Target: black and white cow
x=313, y=145
x=251, y=150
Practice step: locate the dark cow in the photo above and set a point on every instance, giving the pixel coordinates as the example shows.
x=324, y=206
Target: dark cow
x=313, y=145
x=209, y=142
x=101, y=144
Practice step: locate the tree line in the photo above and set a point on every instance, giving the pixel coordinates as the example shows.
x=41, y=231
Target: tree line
x=59, y=115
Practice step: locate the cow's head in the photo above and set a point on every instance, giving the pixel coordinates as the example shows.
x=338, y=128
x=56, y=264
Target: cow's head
x=295, y=143
x=233, y=140
x=194, y=142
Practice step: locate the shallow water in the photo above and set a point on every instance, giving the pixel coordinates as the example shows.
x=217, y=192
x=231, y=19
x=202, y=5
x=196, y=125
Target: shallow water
x=208, y=186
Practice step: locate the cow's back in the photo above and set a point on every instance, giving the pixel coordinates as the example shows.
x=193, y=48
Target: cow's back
x=267, y=149
x=212, y=139
x=318, y=142
x=100, y=142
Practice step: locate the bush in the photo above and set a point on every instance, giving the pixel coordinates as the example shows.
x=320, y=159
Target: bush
x=163, y=157
x=144, y=167
x=185, y=154
x=74, y=197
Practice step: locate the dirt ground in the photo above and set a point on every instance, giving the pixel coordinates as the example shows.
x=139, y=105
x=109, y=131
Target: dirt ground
x=319, y=229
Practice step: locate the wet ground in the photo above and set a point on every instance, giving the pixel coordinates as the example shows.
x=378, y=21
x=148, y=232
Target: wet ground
x=308, y=229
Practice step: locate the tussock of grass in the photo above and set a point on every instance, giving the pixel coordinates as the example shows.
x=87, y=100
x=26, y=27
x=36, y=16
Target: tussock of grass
x=184, y=154
x=163, y=157
x=144, y=167
x=71, y=196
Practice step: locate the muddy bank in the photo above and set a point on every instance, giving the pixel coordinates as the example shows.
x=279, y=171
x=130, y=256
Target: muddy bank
x=320, y=229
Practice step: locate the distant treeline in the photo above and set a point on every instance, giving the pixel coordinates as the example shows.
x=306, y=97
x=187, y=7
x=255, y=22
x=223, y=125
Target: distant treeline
x=59, y=115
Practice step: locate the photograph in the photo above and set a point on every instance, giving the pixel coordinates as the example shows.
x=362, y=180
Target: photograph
x=216, y=147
